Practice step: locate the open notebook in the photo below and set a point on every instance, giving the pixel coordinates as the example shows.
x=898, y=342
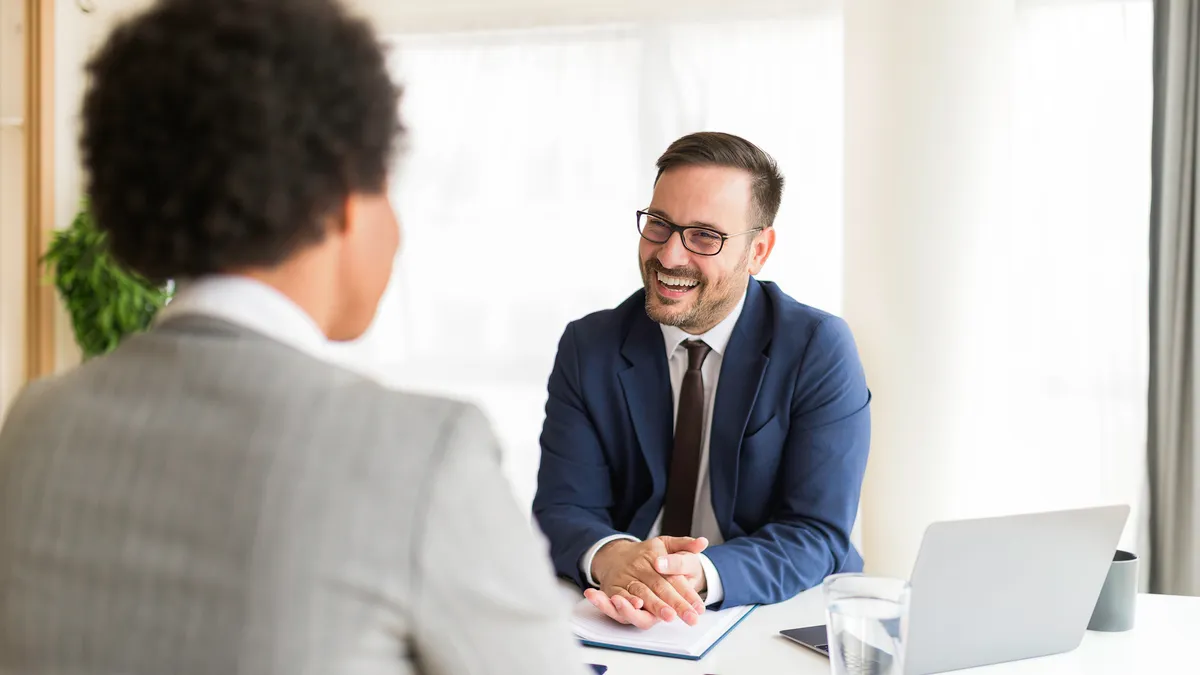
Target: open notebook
x=675, y=639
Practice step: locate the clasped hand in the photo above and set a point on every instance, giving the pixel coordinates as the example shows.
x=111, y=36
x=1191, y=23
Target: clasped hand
x=642, y=583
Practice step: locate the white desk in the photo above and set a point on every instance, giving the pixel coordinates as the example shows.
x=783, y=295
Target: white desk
x=1166, y=638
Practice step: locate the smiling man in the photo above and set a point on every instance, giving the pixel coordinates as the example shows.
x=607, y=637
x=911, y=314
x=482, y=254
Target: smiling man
x=705, y=441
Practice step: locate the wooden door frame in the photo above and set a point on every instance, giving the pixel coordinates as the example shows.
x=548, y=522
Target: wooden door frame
x=39, y=180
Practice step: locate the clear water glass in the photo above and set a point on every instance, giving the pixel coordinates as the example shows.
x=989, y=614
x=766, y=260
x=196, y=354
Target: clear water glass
x=866, y=620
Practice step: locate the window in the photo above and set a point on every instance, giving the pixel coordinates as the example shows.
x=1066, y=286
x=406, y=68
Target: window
x=531, y=152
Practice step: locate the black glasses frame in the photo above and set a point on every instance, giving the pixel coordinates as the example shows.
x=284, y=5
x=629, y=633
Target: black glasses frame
x=683, y=229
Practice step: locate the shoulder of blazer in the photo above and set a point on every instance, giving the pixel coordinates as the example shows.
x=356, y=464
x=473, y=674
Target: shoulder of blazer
x=793, y=322
x=610, y=326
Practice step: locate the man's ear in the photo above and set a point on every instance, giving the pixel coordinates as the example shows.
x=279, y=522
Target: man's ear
x=760, y=250
x=341, y=220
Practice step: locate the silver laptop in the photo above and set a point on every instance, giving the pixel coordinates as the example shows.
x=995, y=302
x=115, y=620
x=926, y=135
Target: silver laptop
x=995, y=590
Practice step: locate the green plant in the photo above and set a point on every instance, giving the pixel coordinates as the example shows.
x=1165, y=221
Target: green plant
x=105, y=301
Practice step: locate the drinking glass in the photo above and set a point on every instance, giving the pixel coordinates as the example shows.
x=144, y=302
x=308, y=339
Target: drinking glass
x=866, y=619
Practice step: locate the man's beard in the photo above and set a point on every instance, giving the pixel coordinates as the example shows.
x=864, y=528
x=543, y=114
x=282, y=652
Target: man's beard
x=710, y=305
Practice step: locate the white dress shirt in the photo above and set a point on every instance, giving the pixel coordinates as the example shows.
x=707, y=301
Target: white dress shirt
x=250, y=304
x=704, y=518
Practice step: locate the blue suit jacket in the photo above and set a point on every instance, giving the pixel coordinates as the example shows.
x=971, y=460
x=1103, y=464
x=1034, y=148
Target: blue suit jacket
x=788, y=444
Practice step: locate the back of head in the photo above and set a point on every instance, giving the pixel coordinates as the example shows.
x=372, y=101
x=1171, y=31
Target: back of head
x=226, y=136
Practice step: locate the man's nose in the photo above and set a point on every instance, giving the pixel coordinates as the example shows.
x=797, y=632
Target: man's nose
x=672, y=254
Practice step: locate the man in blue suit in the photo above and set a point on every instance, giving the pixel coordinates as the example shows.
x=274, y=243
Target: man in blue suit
x=705, y=441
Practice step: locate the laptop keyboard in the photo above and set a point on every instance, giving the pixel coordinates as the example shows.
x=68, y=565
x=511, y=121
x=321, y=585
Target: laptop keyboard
x=855, y=663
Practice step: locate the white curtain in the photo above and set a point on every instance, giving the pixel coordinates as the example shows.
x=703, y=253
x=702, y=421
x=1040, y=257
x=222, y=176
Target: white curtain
x=530, y=151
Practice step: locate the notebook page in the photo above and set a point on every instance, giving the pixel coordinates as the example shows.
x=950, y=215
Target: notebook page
x=675, y=637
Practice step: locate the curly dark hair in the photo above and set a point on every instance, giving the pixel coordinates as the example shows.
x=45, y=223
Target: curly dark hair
x=221, y=135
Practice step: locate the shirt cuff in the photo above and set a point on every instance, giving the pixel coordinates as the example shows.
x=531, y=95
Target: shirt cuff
x=585, y=563
x=715, y=591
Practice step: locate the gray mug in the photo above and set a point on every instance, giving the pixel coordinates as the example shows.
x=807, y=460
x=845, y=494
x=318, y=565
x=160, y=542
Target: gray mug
x=1115, y=606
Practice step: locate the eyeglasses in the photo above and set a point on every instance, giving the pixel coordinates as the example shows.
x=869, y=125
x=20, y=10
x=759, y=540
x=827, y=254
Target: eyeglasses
x=698, y=240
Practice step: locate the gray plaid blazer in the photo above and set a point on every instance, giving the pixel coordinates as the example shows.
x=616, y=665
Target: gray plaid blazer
x=207, y=501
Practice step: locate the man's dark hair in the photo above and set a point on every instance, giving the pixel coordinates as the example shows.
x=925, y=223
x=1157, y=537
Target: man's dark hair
x=710, y=148
x=221, y=135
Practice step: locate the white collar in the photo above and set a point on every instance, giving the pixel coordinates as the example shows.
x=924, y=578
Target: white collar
x=250, y=304
x=717, y=337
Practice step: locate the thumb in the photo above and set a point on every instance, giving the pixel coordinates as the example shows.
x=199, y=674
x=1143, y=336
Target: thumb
x=684, y=544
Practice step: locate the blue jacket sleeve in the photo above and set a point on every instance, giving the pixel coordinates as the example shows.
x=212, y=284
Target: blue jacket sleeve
x=824, y=458
x=574, y=491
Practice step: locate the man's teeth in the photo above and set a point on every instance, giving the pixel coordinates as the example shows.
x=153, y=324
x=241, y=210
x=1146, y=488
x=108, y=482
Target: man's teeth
x=676, y=281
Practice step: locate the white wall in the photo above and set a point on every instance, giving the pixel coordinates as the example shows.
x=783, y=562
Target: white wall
x=12, y=202
x=979, y=296
x=76, y=36
x=461, y=15
x=926, y=185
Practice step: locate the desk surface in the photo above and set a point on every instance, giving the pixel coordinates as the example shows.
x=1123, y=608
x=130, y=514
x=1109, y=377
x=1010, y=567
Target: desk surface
x=1165, y=638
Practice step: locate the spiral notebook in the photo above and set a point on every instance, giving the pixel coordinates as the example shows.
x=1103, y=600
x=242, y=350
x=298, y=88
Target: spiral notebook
x=675, y=639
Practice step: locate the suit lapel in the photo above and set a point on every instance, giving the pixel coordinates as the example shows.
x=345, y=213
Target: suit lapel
x=742, y=369
x=647, y=387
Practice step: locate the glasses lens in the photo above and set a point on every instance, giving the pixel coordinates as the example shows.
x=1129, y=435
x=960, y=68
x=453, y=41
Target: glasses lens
x=704, y=242
x=654, y=229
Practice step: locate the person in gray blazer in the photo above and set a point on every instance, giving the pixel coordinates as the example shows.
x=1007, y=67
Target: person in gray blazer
x=214, y=497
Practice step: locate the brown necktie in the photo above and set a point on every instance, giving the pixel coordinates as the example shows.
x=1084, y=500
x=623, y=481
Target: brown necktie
x=685, y=458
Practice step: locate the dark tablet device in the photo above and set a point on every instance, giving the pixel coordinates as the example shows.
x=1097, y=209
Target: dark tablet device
x=812, y=637
x=859, y=656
